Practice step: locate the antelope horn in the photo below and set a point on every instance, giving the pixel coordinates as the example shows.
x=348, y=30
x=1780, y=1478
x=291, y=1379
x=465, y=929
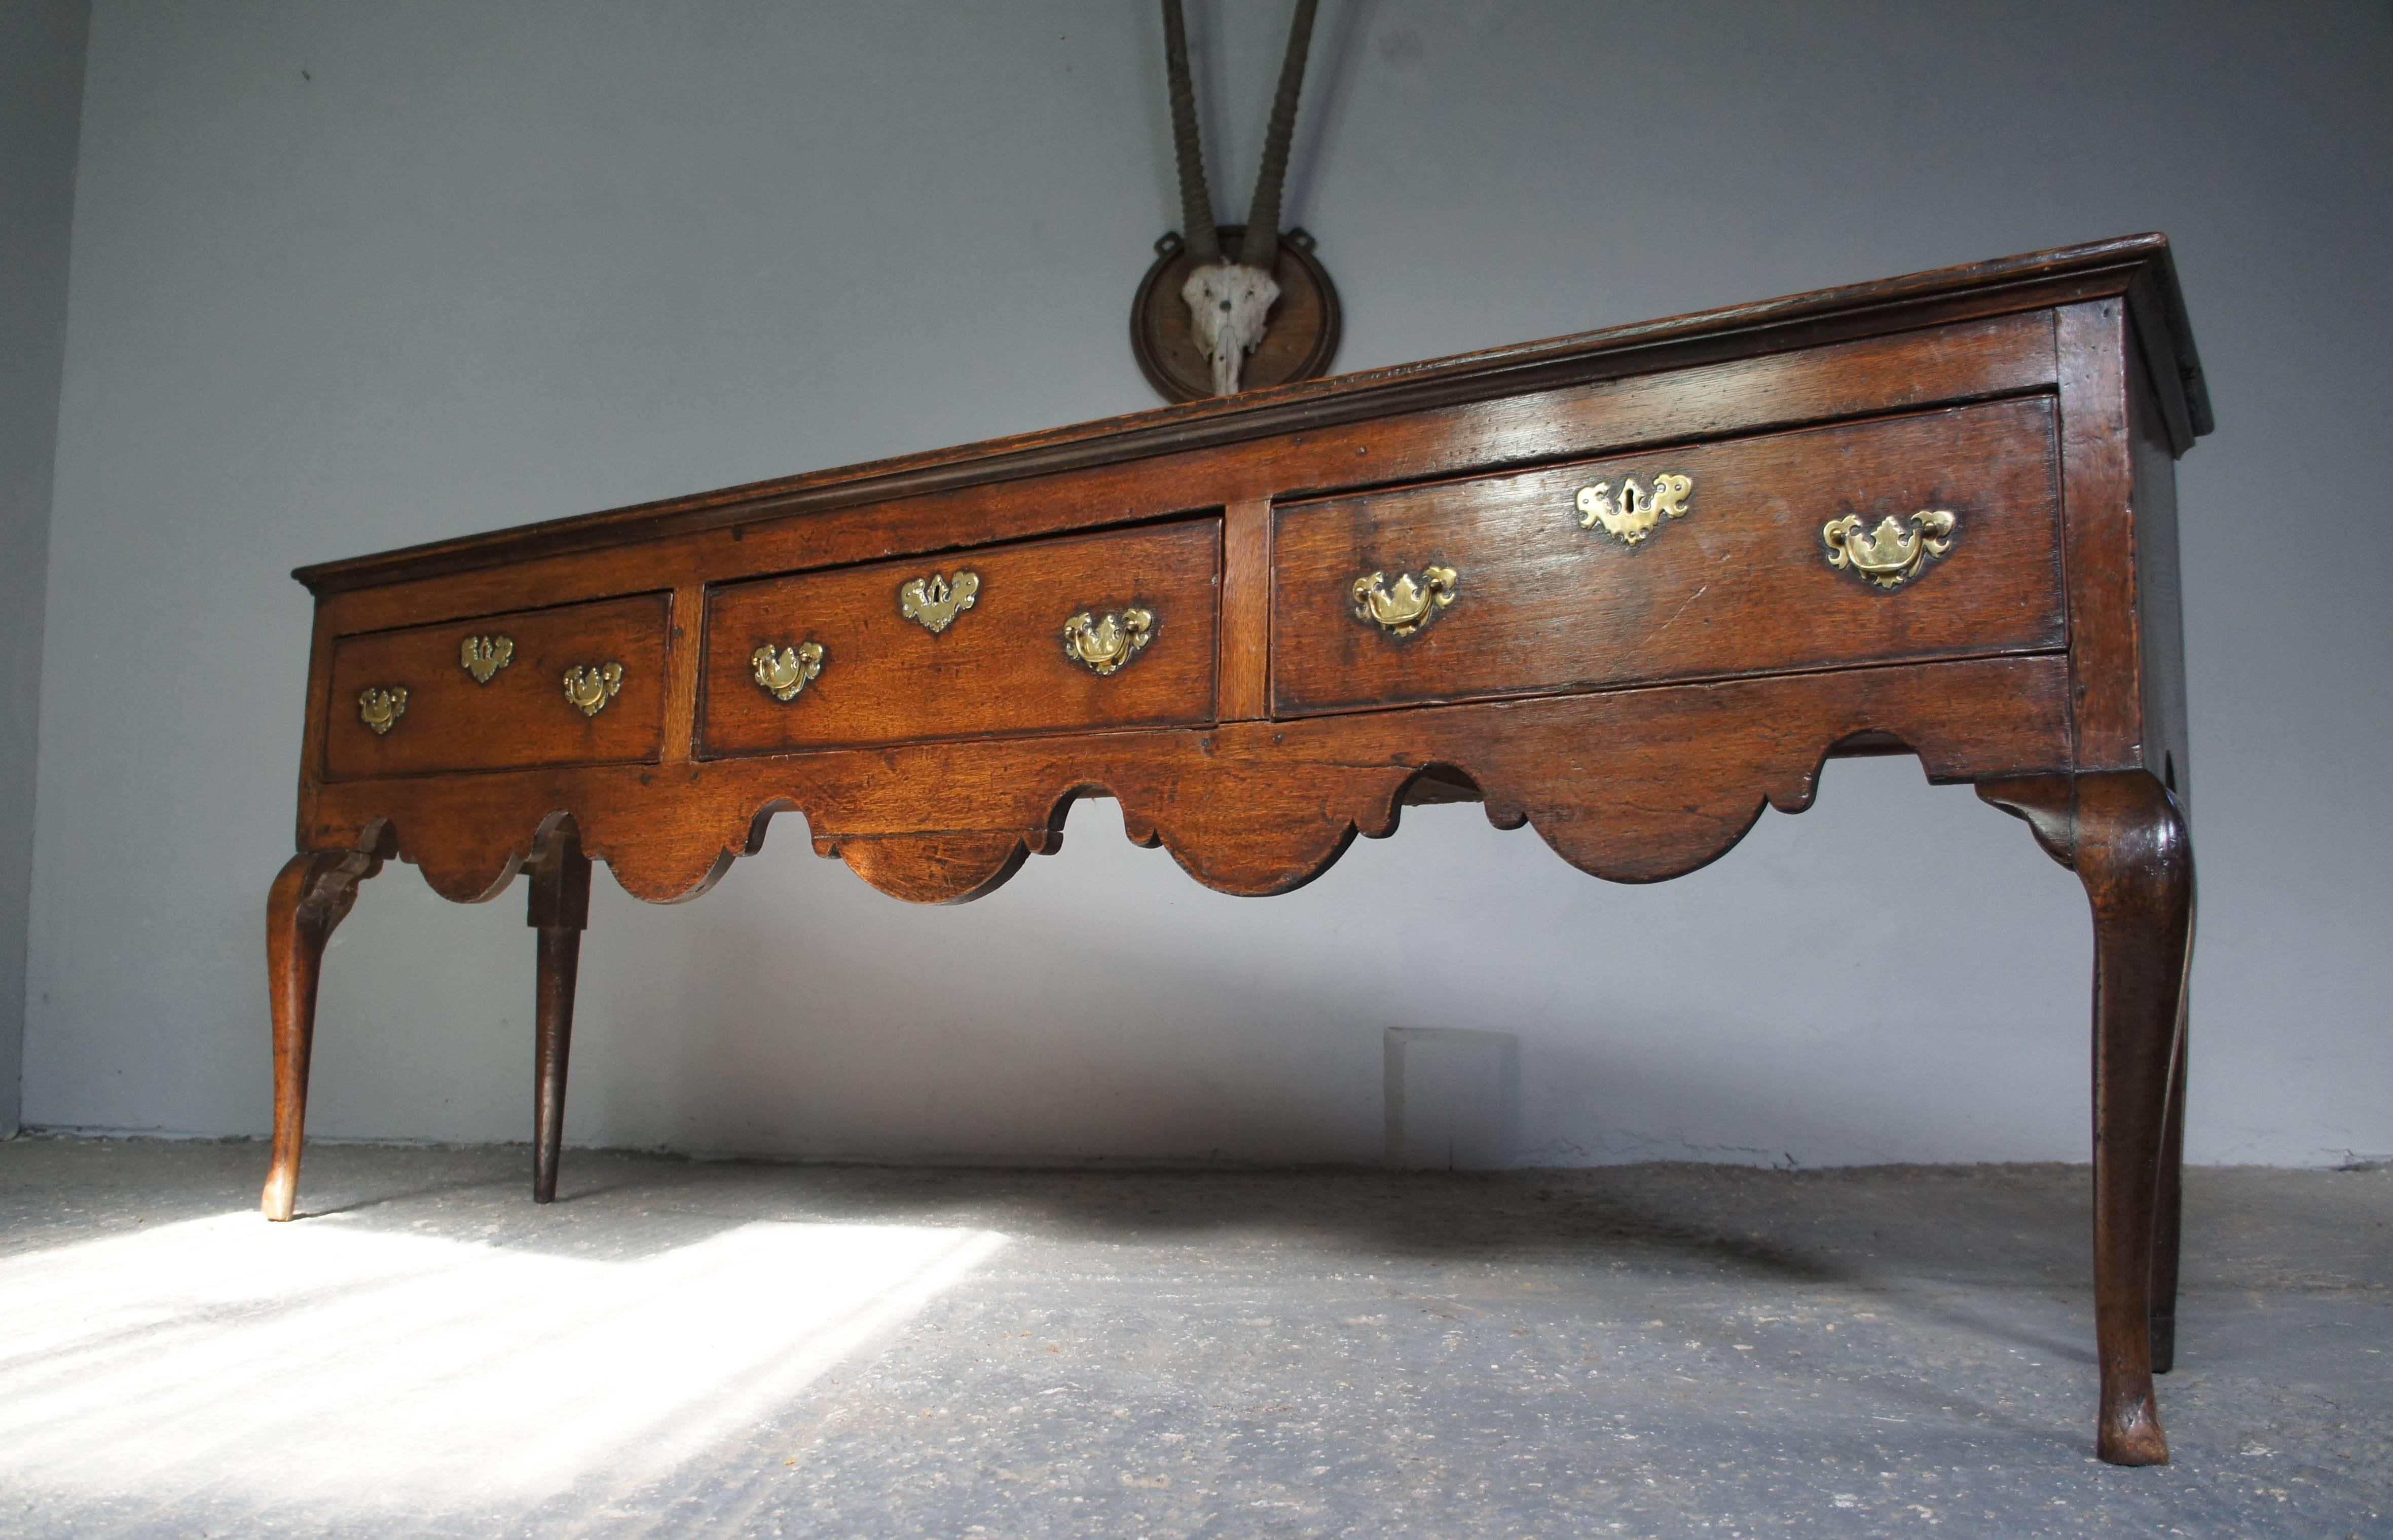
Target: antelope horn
x=1261, y=246
x=1195, y=198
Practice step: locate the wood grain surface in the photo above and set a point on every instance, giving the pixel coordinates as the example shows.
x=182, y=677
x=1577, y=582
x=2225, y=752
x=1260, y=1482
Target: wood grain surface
x=1722, y=397
x=999, y=667
x=1630, y=784
x=1740, y=585
x=521, y=716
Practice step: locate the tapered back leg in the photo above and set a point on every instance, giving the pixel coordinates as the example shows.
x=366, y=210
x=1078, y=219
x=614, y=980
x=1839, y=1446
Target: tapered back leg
x=2169, y=1208
x=558, y=907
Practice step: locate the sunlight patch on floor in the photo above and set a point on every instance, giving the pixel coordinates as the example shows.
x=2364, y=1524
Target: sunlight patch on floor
x=325, y=1364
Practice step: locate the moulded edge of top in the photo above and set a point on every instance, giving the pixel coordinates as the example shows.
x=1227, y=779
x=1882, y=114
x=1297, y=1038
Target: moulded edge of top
x=1293, y=408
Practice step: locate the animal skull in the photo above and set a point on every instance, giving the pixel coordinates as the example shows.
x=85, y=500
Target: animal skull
x=1227, y=304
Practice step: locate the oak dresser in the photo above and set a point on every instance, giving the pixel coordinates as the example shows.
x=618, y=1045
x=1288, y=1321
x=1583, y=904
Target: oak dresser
x=1627, y=588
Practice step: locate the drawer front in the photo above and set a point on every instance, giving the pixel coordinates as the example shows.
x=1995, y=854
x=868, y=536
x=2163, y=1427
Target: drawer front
x=505, y=703
x=999, y=664
x=1545, y=583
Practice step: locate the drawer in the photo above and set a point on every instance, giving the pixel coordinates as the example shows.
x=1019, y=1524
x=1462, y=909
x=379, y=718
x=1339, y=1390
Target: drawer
x=834, y=659
x=511, y=707
x=1545, y=583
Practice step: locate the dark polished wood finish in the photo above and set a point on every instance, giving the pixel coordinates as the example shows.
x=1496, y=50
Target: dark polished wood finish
x=452, y=721
x=1545, y=605
x=312, y=895
x=559, y=909
x=1637, y=707
x=2122, y=834
x=997, y=668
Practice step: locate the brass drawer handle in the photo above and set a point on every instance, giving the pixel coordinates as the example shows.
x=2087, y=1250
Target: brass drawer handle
x=590, y=686
x=1889, y=555
x=483, y=657
x=1637, y=515
x=934, y=601
x=1405, y=605
x=1104, y=645
x=381, y=706
x=786, y=673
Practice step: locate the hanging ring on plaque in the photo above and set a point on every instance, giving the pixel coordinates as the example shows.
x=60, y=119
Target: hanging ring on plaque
x=381, y=706
x=590, y=686
x=1405, y=605
x=1888, y=556
x=1636, y=514
x=1105, y=644
x=785, y=673
x=934, y=601
x=483, y=657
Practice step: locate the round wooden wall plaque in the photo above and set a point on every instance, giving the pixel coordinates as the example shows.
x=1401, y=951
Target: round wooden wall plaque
x=1298, y=343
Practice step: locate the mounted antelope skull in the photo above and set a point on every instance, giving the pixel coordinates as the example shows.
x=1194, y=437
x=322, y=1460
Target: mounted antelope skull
x=1229, y=302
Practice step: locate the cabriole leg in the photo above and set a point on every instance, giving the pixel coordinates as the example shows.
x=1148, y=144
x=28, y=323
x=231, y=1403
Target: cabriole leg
x=2123, y=835
x=559, y=910
x=312, y=895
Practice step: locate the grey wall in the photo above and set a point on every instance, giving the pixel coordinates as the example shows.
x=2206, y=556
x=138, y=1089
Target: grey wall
x=351, y=276
x=41, y=95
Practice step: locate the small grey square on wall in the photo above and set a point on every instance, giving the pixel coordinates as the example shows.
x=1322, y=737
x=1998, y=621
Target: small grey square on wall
x=1453, y=1099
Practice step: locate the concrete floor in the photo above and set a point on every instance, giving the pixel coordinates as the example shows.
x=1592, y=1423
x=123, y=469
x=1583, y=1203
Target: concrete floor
x=732, y=1349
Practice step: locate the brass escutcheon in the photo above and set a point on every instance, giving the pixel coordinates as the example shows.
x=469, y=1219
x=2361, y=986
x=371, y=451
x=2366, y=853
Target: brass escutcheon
x=1104, y=646
x=1888, y=556
x=483, y=657
x=381, y=706
x=785, y=673
x=1404, y=607
x=934, y=601
x=1637, y=515
x=590, y=686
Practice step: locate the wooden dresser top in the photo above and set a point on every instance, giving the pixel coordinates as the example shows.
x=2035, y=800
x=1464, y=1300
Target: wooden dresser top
x=2138, y=267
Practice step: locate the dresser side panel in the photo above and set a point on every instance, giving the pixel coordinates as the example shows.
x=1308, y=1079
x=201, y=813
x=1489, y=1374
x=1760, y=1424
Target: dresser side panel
x=2099, y=541
x=314, y=720
x=2160, y=601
